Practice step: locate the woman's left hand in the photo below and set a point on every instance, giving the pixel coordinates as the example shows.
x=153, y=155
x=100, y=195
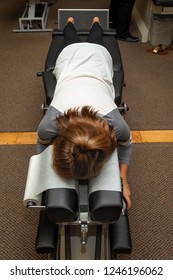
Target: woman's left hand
x=127, y=194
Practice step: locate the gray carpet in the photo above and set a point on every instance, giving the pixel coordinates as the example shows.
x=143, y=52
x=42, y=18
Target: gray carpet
x=149, y=87
x=150, y=217
x=18, y=225
x=151, y=220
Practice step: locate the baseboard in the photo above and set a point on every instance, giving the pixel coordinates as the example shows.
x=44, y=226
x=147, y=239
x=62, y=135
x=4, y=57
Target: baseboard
x=140, y=25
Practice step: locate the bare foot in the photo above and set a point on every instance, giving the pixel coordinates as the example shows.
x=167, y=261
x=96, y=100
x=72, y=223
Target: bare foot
x=70, y=19
x=96, y=19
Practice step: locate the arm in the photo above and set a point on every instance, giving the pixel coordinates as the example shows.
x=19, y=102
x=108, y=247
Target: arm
x=124, y=140
x=124, y=154
x=47, y=129
x=125, y=149
x=126, y=187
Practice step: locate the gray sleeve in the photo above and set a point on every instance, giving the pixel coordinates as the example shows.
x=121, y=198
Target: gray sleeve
x=47, y=128
x=123, y=135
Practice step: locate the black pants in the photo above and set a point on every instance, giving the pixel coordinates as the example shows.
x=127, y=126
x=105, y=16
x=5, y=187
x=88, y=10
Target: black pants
x=120, y=15
x=71, y=36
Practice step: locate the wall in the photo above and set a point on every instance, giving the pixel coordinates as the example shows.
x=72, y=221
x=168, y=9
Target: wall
x=141, y=18
x=144, y=8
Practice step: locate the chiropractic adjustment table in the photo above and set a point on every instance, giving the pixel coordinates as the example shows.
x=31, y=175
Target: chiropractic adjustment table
x=79, y=219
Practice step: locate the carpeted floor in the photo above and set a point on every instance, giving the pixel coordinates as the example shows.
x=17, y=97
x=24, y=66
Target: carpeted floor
x=149, y=87
x=150, y=217
x=18, y=225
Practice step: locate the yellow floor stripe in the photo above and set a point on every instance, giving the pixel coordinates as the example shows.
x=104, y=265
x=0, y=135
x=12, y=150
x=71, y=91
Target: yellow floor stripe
x=142, y=136
x=152, y=136
x=18, y=138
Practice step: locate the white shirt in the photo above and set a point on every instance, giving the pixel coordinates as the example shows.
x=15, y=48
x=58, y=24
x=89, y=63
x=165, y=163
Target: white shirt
x=84, y=74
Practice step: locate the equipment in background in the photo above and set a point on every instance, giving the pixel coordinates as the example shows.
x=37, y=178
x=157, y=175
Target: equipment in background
x=83, y=17
x=34, y=17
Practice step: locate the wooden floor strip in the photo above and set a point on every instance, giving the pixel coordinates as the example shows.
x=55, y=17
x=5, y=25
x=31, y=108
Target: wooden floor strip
x=142, y=136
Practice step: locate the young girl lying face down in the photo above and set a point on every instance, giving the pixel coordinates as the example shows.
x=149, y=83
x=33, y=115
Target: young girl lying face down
x=83, y=121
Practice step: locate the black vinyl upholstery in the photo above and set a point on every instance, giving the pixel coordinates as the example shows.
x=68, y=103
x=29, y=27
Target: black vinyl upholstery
x=105, y=206
x=120, y=239
x=46, y=240
x=164, y=3
x=62, y=205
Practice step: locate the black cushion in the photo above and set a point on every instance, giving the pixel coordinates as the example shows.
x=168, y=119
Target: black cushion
x=105, y=206
x=47, y=233
x=120, y=238
x=62, y=205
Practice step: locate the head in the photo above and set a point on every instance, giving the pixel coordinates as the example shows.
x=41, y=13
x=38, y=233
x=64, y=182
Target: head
x=84, y=144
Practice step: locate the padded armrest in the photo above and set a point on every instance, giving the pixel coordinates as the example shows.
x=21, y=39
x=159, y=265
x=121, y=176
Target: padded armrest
x=47, y=233
x=118, y=81
x=62, y=205
x=120, y=238
x=164, y=3
x=49, y=82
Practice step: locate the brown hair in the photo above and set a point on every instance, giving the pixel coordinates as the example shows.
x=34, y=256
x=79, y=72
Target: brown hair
x=83, y=145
